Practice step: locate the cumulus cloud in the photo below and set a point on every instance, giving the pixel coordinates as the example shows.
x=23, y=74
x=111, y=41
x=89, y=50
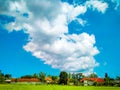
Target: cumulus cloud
x=70, y=53
x=49, y=39
x=72, y=12
x=99, y=5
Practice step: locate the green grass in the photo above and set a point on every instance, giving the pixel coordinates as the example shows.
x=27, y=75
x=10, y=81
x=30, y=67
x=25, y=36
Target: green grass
x=53, y=87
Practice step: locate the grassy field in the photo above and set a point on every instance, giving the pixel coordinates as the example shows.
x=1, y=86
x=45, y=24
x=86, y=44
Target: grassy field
x=53, y=87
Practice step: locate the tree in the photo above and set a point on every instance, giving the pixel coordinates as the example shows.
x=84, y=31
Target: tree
x=79, y=76
x=118, y=81
x=69, y=75
x=55, y=79
x=7, y=76
x=27, y=76
x=1, y=77
x=76, y=77
x=93, y=75
x=106, y=75
x=107, y=80
x=35, y=75
x=63, y=78
x=49, y=76
x=42, y=76
x=118, y=78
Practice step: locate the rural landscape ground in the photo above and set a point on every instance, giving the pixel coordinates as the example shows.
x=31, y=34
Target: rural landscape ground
x=53, y=87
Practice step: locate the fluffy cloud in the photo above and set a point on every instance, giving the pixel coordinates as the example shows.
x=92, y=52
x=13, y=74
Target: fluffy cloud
x=70, y=52
x=72, y=12
x=99, y=5
x=49, y=39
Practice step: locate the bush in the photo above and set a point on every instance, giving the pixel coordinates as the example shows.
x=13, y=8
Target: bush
x=98, y=84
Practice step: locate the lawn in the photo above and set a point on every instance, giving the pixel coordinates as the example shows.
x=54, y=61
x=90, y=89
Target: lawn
x=53, y=87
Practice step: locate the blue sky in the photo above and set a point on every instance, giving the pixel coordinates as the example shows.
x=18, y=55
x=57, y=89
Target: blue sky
x=50, y=36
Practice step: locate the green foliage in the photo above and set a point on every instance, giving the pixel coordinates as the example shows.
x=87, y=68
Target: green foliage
x=1, y=77
x=42, y=76
x=106, y=79
x=93, y=75
x=79, y=76
x=69, y=75
x=75, y=78
x=106, y=75
x=75, y=81
x=35, y=75
x=54, y=78
x=63, y=78
x=98, y=84
x=27, y=76
x=7, y=76
x=118, y=78
x=30, y=76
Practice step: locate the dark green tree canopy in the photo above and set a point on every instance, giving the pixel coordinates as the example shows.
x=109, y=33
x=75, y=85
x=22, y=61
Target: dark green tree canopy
x=93, y=75
x=63, y=78
x=42, y=76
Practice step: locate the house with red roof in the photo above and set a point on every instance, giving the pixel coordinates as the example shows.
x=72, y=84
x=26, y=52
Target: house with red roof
x=26, y=80
x=48, y=80
x=31, y=80
x=91, y=81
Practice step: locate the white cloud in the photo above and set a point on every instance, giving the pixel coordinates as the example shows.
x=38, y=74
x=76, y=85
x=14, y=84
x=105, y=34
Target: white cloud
x=72, y=12
x=81, y=21
x=49, y=39
x=98, y=5
x=71, y=53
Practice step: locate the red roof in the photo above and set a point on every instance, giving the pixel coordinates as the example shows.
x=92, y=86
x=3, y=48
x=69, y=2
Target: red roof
x=13, y=79
x=28, y=80
x=48, y=79
x=93, y=79
x=97, y=79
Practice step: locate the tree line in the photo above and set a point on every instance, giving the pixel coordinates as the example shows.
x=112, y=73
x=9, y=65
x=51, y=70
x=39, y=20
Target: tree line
x=65, y=78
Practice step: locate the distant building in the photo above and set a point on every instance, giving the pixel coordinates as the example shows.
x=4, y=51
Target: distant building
x=8, y=81
x=48, y=80
x=91, y=81
x=26, y=80
x=117, y=81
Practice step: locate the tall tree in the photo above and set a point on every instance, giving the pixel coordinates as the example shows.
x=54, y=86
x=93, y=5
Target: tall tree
x=107, y=79
x=7, y=76
x=118, y=78
x=55, y=79
x=106, y=75
x=35, y=75
x=1, y=77
x=63, y=78
x=79, y=76
x=76, y=78
x=69, y=75
x=42, y=76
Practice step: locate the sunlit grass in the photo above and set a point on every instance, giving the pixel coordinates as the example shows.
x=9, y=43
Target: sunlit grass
x=52, y=87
